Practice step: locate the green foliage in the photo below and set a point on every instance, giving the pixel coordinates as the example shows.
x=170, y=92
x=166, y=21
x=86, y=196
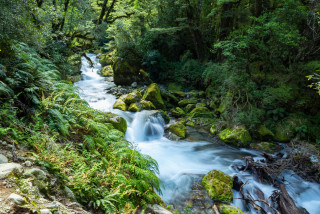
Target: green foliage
x=70, y=139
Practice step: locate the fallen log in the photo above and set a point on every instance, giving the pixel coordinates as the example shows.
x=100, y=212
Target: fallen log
x=285, y=202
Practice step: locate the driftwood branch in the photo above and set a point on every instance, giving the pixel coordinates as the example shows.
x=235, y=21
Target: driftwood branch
x=88, y=58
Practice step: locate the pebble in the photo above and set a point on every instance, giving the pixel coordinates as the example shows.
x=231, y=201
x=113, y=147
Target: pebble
x=45, y=211
x=28, y=163
x=17, y=199
x=3, y=159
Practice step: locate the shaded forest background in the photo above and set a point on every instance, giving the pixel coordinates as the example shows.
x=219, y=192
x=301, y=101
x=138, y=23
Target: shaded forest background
x=256, y=60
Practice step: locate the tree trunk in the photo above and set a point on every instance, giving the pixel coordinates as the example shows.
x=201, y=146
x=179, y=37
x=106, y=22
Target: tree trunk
x=103, y=12
x=66, y=5
x=110, y=10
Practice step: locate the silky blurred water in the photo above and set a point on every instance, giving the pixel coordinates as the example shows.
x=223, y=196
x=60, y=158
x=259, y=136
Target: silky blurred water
x=183, y=162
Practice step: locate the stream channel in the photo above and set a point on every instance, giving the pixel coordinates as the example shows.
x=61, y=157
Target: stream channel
x=182, y=164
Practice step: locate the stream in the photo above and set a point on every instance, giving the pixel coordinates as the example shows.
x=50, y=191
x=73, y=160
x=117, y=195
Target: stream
x=182, y=164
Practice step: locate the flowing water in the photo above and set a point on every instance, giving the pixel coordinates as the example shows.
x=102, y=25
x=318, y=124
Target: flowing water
x=183, y=163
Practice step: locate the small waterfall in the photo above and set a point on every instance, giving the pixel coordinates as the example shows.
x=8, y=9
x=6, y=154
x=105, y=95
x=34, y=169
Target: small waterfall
x=182, y=164
x=145, y=126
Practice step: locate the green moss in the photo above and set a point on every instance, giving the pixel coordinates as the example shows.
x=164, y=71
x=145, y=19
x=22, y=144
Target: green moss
x=135, y=107
x=178, y=93
x=212, y=105
x=185, y=102
x=106, y=71
x=266, y=147
x=117, y=122
x=131, y=98
x=201, y=112
x=265, y=132
x=222, y=108
x=165, y=116
x=178, y=112
x=237, y=136
x=228, y=209
x=124, y=73
x=190, y=123
x=218, y=185
x=189, y=107
x=169, y=98
x=286, y=129
x=213, y=129
x=153, y=95
x=147, y=105
x=178, y=129
x=120, y=104
x=200, y=105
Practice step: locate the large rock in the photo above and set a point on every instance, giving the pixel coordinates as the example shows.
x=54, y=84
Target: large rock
x=147, y=105
x=17, y=199
x=7, y=168
x=124, y=73
x=153, y=94
x=3, y=159
x=228, y=209
x=106, y=71
x=185, y=102
x=178, y=129
x=178, y=93
x=164, y=115
x=135, y=107
x=286, y=129
x=131, y=98
x=266, y=147
x=264, y=132
x=117, y=122
x=157, y=209
x=189, y=107
x=238, y=136
x=178, y=112
x=218, y=185
x=120, y=104
x=35, y=173
x=201, y=112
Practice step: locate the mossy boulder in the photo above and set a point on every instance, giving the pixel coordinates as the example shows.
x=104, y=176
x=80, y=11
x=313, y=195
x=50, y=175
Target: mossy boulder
x=190, y=123
x=264, y=132
x=237, y=136
x=185, y=102
x=120, y=104
x=117, y=122
x=135, y=107
x=124, y=73
x=228, y=209
x=177, y=93
x=178, y=129
x=153, y=94
x=165, y=116
x=178, y=112
x=286, y=129
x=269, y=147
x=200, y=105
x=201, y=112
x=131, y=98
x=169, y=98
x=218, y=185
x=213, y=129
x=106, y=71
x=147, y=105
x=189, y=107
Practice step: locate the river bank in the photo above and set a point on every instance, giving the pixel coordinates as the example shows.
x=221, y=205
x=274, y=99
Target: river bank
x=181, y=162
